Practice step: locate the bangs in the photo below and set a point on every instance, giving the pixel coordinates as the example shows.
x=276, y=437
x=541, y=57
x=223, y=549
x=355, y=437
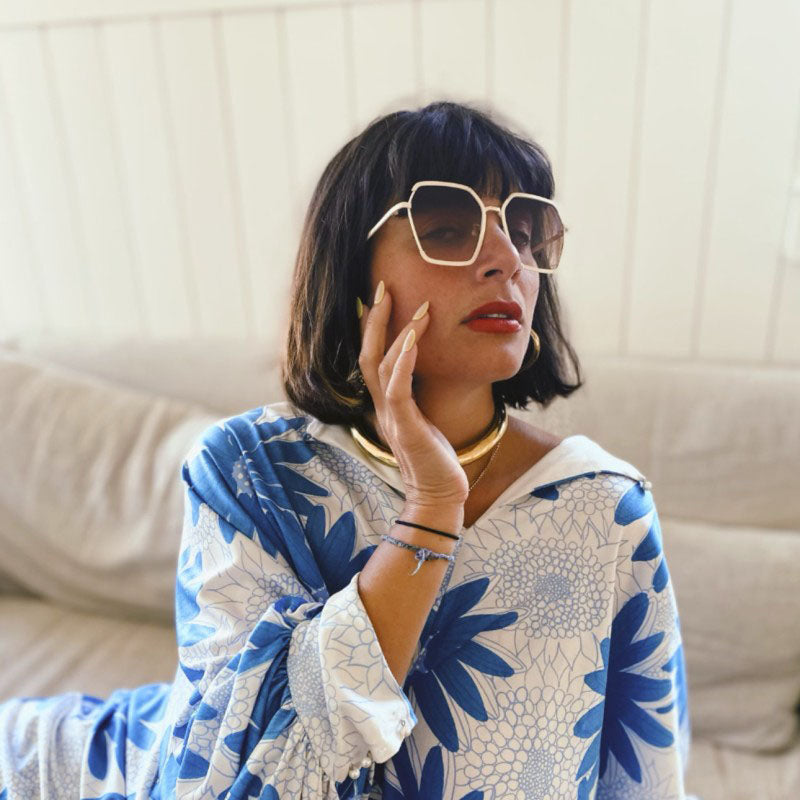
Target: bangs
x=447, y=146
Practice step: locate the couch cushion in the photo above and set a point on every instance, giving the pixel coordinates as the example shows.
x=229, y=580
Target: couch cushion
x=48, y=650
x=739, y=606
x=719, y=773
x=719, y=443
x=223, y=376
x=91, y=500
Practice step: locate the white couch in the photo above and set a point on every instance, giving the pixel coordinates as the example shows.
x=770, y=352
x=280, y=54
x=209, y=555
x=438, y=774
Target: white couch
x=92, y=436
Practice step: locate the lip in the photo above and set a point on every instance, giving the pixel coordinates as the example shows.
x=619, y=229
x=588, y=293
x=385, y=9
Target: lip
x=514, y=310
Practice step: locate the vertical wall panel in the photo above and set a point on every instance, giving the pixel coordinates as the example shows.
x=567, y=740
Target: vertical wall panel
x=35, y=118
x=784, y=344
x=21, y=299
x=526, y=73
x=681, y=79
x=81, y=80
x=263, y=170
x=453, y=42
x=156, y=164
x=147, y=179
x=384, y=59
x=596, y=169
x=756, y=151
x=203, y=161
x=322, y=113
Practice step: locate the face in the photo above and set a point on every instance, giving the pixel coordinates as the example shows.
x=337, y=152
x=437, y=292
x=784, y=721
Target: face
x=449, y=348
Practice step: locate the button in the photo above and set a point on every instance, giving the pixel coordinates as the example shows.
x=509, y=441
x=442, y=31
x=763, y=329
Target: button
x=366, y=762
x=354, y=772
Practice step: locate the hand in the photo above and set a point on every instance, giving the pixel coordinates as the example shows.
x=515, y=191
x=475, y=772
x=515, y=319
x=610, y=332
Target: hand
x=428, y=463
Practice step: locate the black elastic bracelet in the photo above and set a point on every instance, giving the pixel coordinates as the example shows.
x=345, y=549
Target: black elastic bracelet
x=426, y=528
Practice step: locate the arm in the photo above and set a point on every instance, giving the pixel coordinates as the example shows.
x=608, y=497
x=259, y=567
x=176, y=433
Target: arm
x=640, y=731
x=284, y=686
x=397, y=602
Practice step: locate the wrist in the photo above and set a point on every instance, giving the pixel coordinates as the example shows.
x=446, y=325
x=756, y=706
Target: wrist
x=444, y=516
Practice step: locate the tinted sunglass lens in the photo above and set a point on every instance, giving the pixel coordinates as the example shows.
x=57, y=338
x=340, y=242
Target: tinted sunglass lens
x=536, y=230
x=447, y=221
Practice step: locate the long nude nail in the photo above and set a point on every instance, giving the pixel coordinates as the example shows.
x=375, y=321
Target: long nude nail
x=359, y=307
x=409, y=341
x=422, y=310
x=379, y=293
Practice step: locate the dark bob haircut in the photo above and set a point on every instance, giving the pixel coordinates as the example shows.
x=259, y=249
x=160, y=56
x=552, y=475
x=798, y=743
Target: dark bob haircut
x=442, y=141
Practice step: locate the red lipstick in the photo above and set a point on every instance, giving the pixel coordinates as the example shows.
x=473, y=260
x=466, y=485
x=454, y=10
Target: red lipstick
x=499, y=316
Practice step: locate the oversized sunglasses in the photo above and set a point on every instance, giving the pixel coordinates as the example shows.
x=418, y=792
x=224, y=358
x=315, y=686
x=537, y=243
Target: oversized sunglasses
x=448, y=221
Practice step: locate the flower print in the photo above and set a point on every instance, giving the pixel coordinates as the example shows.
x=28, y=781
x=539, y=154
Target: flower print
x=586, y=494
x=204, y=531
x=187, y=588
x=333, y=548
x=431, y=782
x=448, y=637
x=518, y=757
x=242, y=477
x=345, y=476
x=678, y=664
x=633, y=505
x=242, y=467
x=610, y=720
x=124, y=717
x=560, y=584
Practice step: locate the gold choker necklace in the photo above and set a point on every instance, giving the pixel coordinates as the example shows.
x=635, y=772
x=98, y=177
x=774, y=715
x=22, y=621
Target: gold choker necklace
x=465, y=456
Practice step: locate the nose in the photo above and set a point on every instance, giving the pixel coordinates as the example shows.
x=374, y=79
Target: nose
x=497, y=255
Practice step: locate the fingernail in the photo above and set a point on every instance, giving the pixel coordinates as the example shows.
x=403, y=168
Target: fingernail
x=359, y=307
x=379, y=293
x=422, y=310
x=409, y=342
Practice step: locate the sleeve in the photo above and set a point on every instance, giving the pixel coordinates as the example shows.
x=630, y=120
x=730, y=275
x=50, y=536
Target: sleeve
x=282, y=686
x=645, y=737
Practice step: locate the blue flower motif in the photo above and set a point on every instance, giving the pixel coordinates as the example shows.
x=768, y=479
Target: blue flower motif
x=124, y=716
x=332, y=549
x=238, y=446
x=633, y=505
x=448, y=642
x=678, y=664
x=431, y=783
x=609, y=721
x=187, y=587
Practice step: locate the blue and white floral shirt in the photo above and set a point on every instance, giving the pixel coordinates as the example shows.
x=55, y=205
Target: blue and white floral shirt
x=550, y=666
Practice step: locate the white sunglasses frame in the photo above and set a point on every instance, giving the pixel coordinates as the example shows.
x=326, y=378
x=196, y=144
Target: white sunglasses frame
x=500, y=210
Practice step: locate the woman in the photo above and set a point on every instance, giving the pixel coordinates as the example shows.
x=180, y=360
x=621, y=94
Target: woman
x=387, y=586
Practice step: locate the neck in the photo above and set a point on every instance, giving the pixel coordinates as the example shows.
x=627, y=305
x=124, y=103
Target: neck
x=462, y=415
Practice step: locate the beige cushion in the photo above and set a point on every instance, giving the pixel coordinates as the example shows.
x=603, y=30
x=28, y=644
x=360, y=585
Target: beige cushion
x=718, y=773
x=739, y=607
x=91, y=512
x=48, y=649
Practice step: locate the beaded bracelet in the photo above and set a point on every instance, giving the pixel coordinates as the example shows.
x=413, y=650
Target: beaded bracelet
x=421, y=554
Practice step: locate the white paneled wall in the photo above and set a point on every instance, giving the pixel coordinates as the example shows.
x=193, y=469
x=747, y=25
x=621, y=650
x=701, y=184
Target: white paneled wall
x=157, y=156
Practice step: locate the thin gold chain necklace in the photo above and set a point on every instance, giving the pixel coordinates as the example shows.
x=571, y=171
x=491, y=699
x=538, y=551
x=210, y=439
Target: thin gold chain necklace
x=496, y=448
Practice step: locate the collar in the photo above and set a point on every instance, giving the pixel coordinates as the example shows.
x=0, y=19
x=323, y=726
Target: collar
x=575, y=456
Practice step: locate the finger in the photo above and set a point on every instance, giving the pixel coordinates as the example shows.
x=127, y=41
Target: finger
x=399, y=396
x=373, y=343
x=386, y=368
